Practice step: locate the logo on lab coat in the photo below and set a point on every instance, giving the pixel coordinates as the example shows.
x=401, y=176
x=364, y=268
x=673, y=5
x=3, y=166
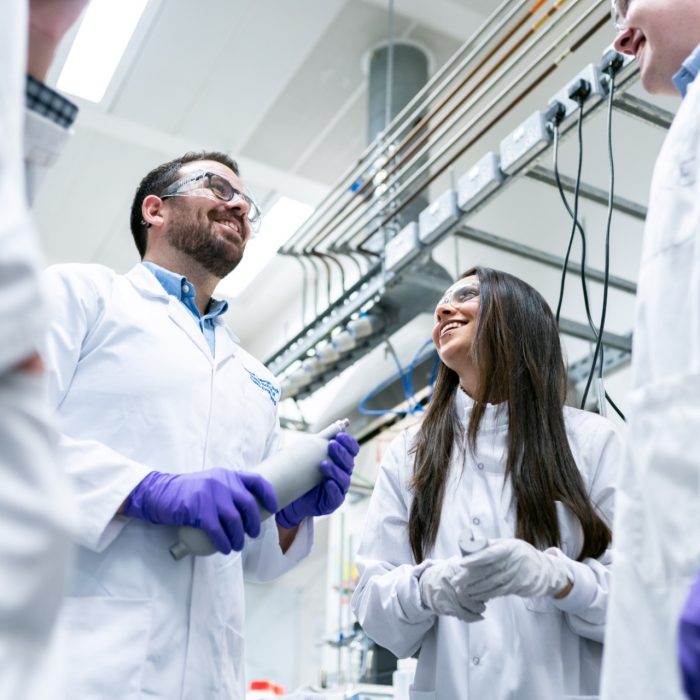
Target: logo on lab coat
x=268, y=387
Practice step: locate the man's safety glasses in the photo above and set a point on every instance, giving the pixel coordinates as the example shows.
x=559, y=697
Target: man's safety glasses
x=619, y=10
x=457, y=296
x=213, y=186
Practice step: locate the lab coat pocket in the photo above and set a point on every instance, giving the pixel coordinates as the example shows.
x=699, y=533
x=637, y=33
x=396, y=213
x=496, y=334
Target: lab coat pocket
x=108, y=646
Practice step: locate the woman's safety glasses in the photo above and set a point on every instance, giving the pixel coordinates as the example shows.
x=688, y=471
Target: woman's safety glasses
x=213, y=186
x=618, y=10
x=457, y=296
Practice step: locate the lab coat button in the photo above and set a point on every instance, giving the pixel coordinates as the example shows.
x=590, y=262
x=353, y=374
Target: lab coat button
x=480, y=465
x=476, y=521
x=475, y=661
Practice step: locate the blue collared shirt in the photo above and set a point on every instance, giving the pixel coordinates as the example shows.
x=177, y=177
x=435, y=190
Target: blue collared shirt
x=688, y=72
x=181, y=288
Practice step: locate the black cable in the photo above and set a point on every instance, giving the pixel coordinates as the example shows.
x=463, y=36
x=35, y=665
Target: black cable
x=603, y=314
x=614, y=406
x=575, y=212
x=578, y=225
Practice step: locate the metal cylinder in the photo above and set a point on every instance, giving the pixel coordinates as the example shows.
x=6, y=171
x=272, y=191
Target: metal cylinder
x=408, y=74
x=397, y=72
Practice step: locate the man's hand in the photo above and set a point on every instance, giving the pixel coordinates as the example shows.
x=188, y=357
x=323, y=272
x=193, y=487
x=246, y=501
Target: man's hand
x=49, y=20
x=221, y=502
x=330, y=493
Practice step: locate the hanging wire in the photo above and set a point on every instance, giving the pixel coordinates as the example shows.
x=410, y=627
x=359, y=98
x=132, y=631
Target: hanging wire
x=565, y=268
x=603, y=314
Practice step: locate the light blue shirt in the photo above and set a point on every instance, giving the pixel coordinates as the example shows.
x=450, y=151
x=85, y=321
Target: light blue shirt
x=688, y=72
x=181, y=288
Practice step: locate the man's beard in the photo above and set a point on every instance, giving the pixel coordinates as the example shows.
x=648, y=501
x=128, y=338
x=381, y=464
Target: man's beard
x=195, y=236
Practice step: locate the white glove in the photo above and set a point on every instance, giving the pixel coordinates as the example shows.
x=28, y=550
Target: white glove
x=438, y=591
x=513, y=567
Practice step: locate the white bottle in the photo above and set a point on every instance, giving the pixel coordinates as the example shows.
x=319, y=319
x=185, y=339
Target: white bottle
x=291, y=472
x=402, y=678
x=365, y=325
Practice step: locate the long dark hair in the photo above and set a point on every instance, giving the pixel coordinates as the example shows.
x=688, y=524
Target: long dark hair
x=518, y=353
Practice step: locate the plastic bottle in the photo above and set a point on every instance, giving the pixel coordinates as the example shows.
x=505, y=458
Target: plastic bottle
x=344, y=341
x=365, y=325
x=402, y=678
x=327, y=354
x=291, y=472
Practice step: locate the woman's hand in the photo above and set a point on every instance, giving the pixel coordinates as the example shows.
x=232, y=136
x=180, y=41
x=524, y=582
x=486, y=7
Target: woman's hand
x=514, y=567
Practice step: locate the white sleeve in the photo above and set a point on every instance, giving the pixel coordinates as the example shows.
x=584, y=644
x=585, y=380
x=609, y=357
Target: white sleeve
x=387, y=599
x=101, y=477
x=263, y=559
x=586, y=606
x=21, y=314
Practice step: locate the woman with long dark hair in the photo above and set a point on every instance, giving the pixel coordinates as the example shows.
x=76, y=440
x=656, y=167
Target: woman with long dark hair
x=487, y=544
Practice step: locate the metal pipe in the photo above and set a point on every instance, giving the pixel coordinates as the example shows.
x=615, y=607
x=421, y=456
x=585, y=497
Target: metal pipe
x=453, y=122
x=356, y=171
x=496, y=101
x=530, y=253
x=593, y=194
x=641, y=109
x=394, y=176
x=583, y=332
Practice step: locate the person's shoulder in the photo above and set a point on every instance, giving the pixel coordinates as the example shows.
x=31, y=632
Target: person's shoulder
x=586, y=425
x=80, y=274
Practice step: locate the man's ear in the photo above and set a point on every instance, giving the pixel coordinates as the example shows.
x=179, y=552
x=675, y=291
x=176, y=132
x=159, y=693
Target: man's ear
x=152, y=211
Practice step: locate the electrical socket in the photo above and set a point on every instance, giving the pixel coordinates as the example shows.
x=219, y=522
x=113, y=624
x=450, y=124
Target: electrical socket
x=613, y=61
x=437, y=217
x=479, y=182
x=404, y=246
x=523, y=144
x=592, y=76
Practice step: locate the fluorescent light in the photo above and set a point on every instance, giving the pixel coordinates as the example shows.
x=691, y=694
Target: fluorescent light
x=283, y=219
x=98, y=47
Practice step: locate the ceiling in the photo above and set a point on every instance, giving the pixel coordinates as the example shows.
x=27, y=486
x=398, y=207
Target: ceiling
x=280, y=85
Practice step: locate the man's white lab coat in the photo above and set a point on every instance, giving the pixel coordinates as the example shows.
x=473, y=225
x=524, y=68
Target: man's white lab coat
x=137, y=389
x=657, y=526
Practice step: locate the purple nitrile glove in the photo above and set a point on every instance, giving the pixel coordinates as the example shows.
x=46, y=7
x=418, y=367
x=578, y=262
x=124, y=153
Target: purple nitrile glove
x=689, y=642
x=330, y=493
x=219, y=501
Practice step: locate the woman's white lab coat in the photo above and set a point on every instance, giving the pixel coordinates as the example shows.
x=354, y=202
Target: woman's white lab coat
x=657, y=526
x=137, y=389
x=525, y=648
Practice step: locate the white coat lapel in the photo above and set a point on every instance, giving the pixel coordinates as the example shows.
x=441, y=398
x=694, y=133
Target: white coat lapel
x=148, y=286
x=226, y=342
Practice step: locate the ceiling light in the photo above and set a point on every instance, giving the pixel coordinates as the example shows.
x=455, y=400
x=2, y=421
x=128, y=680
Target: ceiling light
x=283, y=219
x=98, y=47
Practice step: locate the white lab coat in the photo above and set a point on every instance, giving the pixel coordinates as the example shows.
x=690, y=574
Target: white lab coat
x=34, y=505
x=525, y=648
x=137, y=389
x=657, y=526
